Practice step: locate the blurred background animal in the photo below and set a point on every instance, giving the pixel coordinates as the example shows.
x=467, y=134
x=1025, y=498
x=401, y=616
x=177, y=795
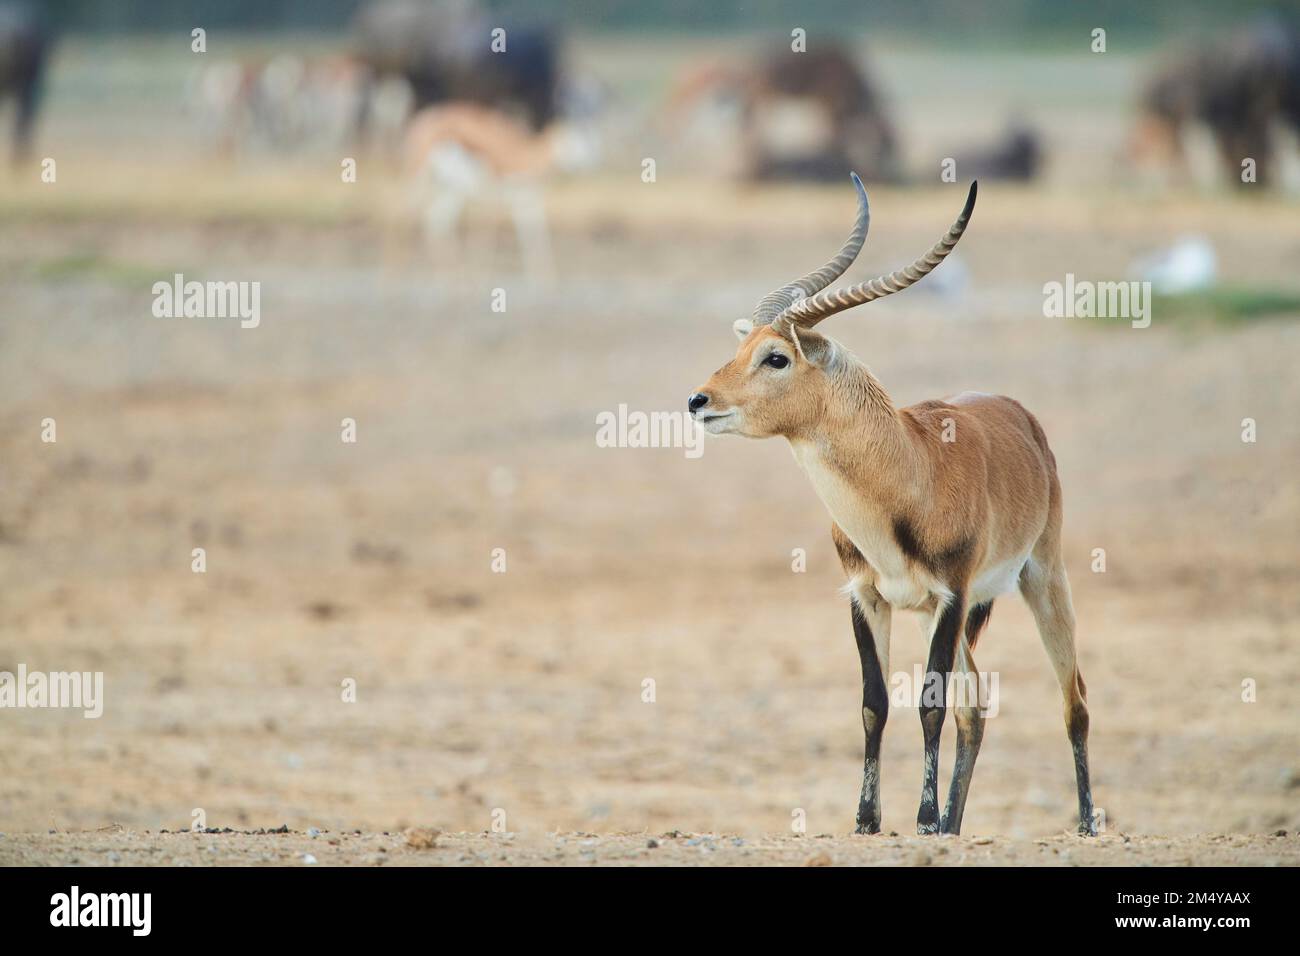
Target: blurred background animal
x=799, y=115
x=461, y=153
x=442, y=50
x=290, y=102
x=1015, y=156
x=24, y=47
x=1243, y=88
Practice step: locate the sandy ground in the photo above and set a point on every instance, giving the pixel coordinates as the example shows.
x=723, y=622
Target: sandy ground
x=518, y=699
x=520, y=694
x=427, y=848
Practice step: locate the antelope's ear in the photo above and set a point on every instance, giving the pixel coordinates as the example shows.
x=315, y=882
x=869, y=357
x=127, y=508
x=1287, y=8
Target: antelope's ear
x=742, y=328
x=814, y=347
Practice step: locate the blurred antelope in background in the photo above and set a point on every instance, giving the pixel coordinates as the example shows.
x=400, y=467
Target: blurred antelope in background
x=460, y=153
x=288, y=104
x=1241, y=92
x=810, y=116
x=937, y=507
x=440, y=49
x=24, y=49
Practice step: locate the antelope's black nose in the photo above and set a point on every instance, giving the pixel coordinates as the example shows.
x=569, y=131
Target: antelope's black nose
x=697, y=401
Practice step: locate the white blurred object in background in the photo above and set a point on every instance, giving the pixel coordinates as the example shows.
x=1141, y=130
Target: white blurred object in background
x=1189, y=265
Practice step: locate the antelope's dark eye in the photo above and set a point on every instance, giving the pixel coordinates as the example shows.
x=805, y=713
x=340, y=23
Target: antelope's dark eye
x=776, y=360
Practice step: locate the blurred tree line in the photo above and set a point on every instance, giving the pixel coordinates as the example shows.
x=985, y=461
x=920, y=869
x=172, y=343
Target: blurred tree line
x=989, y=21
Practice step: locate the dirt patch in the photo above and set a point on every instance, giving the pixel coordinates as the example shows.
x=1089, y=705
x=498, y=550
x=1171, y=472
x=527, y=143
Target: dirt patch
x=624, y=849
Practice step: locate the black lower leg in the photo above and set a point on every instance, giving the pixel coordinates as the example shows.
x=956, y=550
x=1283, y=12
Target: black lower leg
x=943, y=645
x=875, y=710
x=1077, y=725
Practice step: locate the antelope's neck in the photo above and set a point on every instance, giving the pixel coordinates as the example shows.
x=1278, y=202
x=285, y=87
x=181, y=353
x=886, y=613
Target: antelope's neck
x=868, y=451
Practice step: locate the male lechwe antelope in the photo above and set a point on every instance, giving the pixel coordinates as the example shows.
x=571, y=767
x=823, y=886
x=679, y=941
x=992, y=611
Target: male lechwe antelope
x=920, y=522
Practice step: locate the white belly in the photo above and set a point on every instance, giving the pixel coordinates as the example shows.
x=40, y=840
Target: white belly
x=996, y=579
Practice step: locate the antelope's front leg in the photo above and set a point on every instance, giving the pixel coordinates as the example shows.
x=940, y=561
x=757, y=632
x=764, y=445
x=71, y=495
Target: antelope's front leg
x=871, y=616
x=934, y=694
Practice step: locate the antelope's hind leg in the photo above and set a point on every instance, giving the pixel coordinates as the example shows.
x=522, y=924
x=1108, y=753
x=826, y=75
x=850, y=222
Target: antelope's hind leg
x=1046, y=590
x=968, y=712
x=871, y=621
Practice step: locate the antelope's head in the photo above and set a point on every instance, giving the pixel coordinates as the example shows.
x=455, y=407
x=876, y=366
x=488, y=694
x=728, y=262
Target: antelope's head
x=778, y=383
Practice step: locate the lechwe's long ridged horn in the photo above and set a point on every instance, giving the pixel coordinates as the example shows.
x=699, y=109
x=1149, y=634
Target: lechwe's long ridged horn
x=808, y=312
x=772, y=304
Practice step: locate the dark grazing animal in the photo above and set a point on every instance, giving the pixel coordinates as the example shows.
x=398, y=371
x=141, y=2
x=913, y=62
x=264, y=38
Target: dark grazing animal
x=825, y=80
x=1240, y=87
x=1017, y=156
x=24, y=47
x=443, y=50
